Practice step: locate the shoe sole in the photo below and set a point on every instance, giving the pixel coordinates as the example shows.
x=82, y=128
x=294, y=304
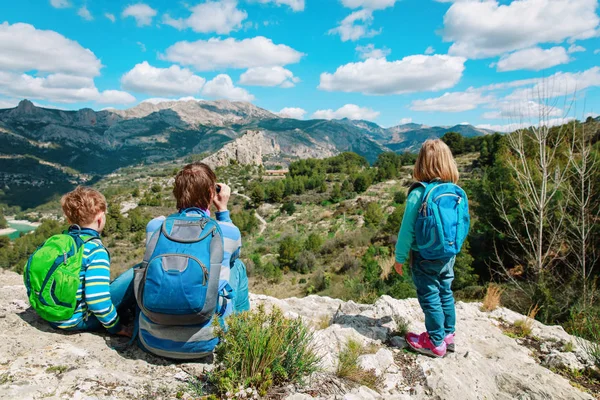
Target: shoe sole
x=425, y=352
x=450, y=348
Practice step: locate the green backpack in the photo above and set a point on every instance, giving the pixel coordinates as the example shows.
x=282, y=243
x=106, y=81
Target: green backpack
x=52, y=276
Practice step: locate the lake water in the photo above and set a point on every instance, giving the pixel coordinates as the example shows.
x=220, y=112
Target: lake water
x=20, y=228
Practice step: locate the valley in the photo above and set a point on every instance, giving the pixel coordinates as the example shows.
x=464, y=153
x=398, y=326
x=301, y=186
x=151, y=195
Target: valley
x=45, y=152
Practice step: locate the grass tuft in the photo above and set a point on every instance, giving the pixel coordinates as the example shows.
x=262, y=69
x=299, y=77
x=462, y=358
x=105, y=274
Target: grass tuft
x=260, y=350
x=586, y=325
x=57, y=369
x=401, y=327
x=524, y=327
x=348, y=367
x=491, y=301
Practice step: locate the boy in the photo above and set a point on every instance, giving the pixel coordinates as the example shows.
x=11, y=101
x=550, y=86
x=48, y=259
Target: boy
x=97, y=299
x=195, y=190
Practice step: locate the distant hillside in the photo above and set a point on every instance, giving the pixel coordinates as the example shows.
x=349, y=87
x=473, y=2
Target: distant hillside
x=99, y=142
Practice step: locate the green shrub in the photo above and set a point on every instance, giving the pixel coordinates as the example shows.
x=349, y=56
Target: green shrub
x=305, y=262
x=373, y=214
x=586, y=324
x=246, y=221
x=399, y=197
x=313, y=242
x=348, y=366
x=288, y=207
x=260, y=350
x=289, y=248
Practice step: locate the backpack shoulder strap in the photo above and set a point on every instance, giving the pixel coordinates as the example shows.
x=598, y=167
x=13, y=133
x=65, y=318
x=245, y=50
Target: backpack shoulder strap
x=417, y=185
x=151, y=246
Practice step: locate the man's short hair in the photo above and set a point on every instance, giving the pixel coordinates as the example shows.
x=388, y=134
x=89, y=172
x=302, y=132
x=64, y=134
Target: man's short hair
x=194, y=186
x=82, y=205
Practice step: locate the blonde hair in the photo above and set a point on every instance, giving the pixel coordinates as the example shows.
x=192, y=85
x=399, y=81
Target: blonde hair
x=435, y=161
x=82, y=205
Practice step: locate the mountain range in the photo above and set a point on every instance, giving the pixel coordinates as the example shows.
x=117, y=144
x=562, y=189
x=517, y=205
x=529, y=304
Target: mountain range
x=41, y=147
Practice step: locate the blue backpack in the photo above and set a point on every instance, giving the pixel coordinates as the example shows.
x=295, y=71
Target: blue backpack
x=177, y=287
x=443, y=221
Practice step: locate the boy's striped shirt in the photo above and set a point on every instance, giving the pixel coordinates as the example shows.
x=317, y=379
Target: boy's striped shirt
x=93, y=295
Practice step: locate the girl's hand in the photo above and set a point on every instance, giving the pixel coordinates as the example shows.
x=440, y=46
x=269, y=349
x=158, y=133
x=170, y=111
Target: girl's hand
x=222, y=198
x=398, y=268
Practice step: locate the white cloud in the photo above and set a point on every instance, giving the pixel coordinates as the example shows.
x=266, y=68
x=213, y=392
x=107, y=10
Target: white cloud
x=142, y=13
x=269, y=76
x=295, y=5
x=59, y=88
x=369, y=51
x=356, y=26
x=110, y=16
x=84, y=13
x=452, y=102
x=172, y=81
x=212, y=54
x=292, y=112
x=411, y=74
x=25, y=48
x=534, y=59
x=350, y=111
x=221, y=16
x=45, y=65
x=573, y=48
x=481, y=29
x=518, y=111
x=597, y=51
x=369, y=4
x=405, y=121
x=142, y=46
x=558, y=85
x=60, y=3
x=221, y=87
x=8, y=103
x=523, y=125
x=157, y=100
x=429, y=50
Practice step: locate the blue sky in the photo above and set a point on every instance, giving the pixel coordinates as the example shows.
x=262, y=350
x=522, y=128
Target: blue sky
x=441, y=62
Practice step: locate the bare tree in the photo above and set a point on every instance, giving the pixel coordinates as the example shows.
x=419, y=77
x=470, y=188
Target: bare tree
x=538, y=228
x=584, y=169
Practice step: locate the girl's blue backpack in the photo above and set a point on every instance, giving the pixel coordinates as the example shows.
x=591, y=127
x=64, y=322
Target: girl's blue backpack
x=443, y=221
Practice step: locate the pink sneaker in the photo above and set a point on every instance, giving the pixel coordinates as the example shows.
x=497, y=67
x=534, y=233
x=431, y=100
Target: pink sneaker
x=422, y=344
x=449, y=339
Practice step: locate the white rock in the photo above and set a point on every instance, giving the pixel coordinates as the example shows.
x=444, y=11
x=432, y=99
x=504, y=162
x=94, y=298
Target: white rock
x=299, y=396
x=488, y=365
x=380, y=362
x=569, y=361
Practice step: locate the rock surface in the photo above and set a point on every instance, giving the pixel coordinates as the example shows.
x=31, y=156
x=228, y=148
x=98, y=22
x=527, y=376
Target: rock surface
x=248, y=149
x=38, y=362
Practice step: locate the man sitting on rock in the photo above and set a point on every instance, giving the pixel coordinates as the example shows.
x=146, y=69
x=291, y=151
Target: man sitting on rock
x=191, y=270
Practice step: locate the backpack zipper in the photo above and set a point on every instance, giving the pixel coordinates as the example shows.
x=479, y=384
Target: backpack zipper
x=448, y=195
x=204, y=269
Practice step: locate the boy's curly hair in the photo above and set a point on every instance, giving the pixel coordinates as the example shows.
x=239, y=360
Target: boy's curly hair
x=82, y=205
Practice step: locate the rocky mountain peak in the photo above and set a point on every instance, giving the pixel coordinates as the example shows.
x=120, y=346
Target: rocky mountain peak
x=25, y=107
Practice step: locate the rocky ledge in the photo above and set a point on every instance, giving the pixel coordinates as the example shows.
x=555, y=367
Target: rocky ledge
x=38, y=362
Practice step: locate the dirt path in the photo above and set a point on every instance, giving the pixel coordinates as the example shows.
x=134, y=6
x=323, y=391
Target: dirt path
x=263, y=223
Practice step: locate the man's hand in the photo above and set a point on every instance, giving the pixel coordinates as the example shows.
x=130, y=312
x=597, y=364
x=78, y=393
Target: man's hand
x=222, y=198
x=398, y=268
x=126, y=331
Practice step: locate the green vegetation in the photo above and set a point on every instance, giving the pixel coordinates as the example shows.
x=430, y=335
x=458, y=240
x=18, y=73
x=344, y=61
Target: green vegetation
x=3, y=223
x=349, y=368
x=332, y=224
x=262, y=349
